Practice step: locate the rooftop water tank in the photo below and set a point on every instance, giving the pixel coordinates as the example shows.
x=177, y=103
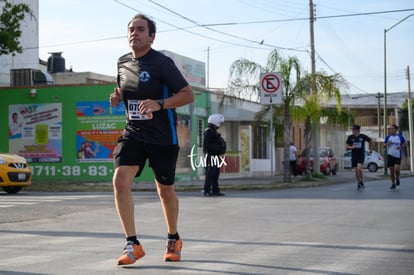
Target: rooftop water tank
x=56, y=63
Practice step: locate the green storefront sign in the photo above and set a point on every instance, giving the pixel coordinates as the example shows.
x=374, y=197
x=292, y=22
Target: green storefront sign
x=69, y=132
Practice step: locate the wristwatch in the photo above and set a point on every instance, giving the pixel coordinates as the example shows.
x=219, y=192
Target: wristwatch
x=161, y=103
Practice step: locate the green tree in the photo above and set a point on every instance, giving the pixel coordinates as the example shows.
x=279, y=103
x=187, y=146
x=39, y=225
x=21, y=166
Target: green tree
x=10, y=32
x=314, y=90
x=245, y=82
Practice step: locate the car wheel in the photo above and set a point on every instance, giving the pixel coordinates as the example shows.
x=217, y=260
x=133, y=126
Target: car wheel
x=328, y=170
x=372, y=167
x=12, y=189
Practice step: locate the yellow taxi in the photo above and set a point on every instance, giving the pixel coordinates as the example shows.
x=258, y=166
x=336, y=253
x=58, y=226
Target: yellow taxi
x=15, y=173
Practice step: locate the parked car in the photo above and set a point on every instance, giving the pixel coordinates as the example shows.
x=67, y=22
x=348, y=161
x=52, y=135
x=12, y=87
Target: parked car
x=373, y=161
x=15, y=173
x=327, y=159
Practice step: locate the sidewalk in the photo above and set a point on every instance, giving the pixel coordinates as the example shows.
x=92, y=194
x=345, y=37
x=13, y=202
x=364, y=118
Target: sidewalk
x=270, y=182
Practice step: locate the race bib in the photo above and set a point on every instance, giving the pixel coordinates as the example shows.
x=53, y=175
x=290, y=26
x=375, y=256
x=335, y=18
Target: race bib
x=358, y=144
x=134, y=113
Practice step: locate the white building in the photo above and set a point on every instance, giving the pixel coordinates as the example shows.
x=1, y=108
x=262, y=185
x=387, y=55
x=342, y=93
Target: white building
x=29, y=42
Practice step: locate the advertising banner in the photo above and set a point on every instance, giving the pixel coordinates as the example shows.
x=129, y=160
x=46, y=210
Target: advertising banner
x=98, y=127
x=35, y=131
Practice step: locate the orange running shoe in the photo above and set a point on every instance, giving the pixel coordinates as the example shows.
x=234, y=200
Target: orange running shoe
x=131, y=254
x=173, y=250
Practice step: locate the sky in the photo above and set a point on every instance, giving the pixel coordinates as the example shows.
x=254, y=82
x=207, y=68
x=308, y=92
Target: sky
x=349, y=35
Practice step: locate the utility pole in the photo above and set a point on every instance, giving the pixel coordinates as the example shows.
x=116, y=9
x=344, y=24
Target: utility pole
x=410, y=122
x=312, y=36
x=385, y=103
x=208, y=69
x=379, y=95
x=315, y=126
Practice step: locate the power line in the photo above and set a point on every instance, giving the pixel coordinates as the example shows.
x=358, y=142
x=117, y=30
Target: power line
x=208, y=26
x=234, y=36
x=347, y=82
x=180, y=28
x=118, y=37
x=211, y=29
x=76, y=43
x=307, y=18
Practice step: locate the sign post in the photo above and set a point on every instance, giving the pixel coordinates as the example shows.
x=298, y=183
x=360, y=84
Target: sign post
x=271, y=94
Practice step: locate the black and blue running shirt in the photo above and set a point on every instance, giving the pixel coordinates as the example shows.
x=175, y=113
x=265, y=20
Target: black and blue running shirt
x=359, y=141
x=152, y=76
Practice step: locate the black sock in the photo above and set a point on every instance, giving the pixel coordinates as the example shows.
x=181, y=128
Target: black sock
x=173, y=236
x=133, y=239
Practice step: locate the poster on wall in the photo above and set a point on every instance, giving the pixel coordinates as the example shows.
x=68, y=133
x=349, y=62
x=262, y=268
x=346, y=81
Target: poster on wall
x=35, y=131
x=98, y=127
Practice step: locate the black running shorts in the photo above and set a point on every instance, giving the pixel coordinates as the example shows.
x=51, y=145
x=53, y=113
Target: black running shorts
x=162, y=158
x=391, y=161
x=356, y=160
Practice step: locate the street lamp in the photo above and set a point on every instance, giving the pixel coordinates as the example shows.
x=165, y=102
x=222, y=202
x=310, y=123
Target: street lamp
x=385, y=86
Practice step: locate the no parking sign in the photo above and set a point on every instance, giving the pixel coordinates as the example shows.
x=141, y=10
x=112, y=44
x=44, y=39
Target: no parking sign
x=270, y=88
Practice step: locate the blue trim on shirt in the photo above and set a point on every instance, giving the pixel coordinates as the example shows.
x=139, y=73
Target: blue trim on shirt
x=402, y=141
x=402, y=138
x=170, y=118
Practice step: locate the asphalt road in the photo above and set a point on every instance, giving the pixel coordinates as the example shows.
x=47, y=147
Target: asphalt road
x=330, y=229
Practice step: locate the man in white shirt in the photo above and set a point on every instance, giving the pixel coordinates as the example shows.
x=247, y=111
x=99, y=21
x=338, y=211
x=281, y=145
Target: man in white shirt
x=15, y=127
x=292, y=159
x=394, y=142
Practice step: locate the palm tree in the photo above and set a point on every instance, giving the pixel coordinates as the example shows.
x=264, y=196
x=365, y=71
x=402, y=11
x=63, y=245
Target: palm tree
x=245, y=82
x=313, y=90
